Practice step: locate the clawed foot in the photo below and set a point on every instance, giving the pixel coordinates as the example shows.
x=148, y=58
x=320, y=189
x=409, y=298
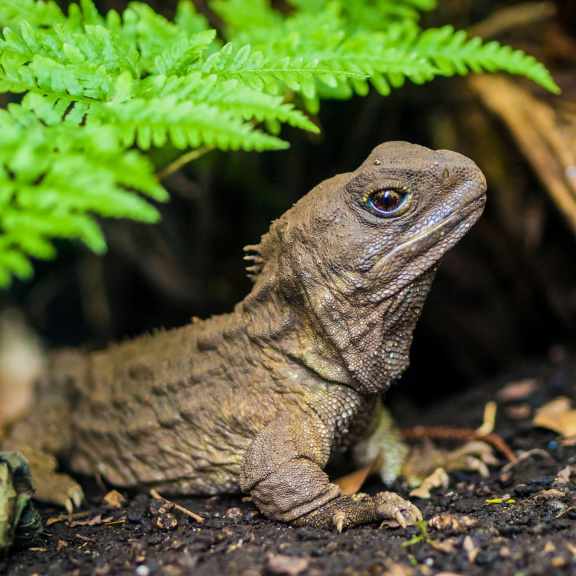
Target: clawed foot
x=59, y=489
x=360, y=509
x=53, y=487
x=393, y=507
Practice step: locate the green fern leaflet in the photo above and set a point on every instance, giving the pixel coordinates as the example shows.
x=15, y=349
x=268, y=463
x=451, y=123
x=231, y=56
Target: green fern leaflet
x=98, y=92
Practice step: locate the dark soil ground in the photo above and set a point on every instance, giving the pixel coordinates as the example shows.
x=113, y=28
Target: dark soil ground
x=531, y=531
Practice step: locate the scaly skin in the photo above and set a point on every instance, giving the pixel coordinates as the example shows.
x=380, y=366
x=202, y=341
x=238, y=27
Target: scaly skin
x=260, y=399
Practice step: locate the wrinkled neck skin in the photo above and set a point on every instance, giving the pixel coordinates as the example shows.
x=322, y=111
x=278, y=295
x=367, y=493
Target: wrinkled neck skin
x=347, y=339
x=348, y=322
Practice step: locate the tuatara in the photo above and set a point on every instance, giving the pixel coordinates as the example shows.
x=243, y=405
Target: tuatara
x=260, y=399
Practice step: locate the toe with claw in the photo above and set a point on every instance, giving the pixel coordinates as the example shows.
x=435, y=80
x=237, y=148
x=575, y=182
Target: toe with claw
x=338, y=520
x=360, y=509
x=390, y=506
x=53, y=487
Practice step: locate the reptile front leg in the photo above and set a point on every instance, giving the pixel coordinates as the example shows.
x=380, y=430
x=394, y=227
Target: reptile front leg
x=283, y=472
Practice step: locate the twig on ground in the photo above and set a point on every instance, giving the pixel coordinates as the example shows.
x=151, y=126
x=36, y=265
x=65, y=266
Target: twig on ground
x=155, y=494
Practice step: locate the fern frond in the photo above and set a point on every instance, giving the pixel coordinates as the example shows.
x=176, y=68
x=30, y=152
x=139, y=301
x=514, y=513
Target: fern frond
x=232, y=97
x=252, y=69
x=95, y=86
x=453, y=53
x=37, y=14
x=55, y=180
x=177, y=60
x=153, y=122
x=370, y=14
x=349, y=36
x=78, y=56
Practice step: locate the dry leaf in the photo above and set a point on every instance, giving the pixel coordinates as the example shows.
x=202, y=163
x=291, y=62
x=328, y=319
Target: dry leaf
x=63, y=517
x=551, y=494
x=114, y=500
x=564, y=475
x=518, y=390
x=437, y=479
x=558, y=416
x=96, y=521
x=351, y=483
x=545, y=135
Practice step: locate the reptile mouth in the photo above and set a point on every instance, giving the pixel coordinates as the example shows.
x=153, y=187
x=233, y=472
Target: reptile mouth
x=460, y=216
x=440, y=234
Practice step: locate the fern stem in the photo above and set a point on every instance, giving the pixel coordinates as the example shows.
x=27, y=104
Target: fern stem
x=182, y=160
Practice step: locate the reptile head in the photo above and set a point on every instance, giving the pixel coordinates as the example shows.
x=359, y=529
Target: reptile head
x=356, y=256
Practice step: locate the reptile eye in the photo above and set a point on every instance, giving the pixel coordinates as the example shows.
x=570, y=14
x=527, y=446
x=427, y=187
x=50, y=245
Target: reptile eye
x=386, y=201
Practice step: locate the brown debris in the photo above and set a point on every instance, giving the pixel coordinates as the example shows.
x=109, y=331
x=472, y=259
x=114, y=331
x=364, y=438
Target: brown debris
x=61, y=545
x=551, y=494
x=438, y=478
x=546, y=136
x=289, y=565
x=564, y=476
x=447, y=433
x=234, y=513
x=155, y=494
x=114, y=500
x=558, y=416
x=167, y=521
x=518, y=390
x=452, y=522
x=447, y=546
x=63, y=517
x=96, y=521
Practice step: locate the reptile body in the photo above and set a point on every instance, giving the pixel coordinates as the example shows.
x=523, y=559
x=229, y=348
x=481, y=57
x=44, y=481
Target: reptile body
x=260, y=399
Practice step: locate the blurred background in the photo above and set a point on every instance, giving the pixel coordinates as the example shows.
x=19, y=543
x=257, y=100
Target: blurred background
x=505, y=296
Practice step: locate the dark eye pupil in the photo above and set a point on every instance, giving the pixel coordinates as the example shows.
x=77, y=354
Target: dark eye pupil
x=387, y=200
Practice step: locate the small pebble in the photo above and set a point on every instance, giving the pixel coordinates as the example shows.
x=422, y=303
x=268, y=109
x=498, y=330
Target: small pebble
x=134, y=516
x=234, y=514
x=143, y=570
x=167, y=522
